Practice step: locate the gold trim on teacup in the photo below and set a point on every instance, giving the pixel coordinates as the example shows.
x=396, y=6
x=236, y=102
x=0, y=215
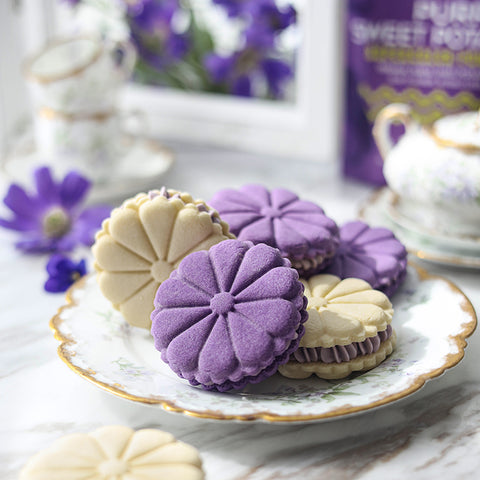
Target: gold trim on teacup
x=52, y=114
x=27, y=66
x=66, y=354
x=468, y=148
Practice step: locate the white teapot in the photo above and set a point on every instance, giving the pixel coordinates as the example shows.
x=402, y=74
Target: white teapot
x=434, y=170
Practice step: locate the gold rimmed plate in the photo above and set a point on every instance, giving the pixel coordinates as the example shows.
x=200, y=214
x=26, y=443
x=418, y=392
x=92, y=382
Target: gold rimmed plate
x=432, y=319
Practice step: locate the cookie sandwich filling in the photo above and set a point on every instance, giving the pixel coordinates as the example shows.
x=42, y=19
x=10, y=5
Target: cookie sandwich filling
x=342, y=353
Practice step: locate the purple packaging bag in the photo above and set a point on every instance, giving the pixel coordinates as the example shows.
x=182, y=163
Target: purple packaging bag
x=425, y=53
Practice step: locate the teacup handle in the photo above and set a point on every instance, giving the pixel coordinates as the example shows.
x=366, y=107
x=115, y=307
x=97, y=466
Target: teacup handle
x=393, y=113
x=127, y=63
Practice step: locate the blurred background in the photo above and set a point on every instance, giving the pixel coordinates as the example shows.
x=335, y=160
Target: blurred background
x=259, y=76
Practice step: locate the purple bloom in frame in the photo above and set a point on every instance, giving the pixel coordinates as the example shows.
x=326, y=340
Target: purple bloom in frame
x=51, y=219
x=277, y=73
x=152, y=15
x=63, y=272
x=234, y=8
x=238, y=71
x=267, y=21
x=152, y=32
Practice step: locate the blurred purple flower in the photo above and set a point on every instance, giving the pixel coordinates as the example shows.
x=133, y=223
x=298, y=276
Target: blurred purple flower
x=234, y=8
x=267, y=21
x=51, y=218
x=152, y=15
x=238, y=71
x=71, y=3
x=152, y=32
x=63, y=272
x=277, y=73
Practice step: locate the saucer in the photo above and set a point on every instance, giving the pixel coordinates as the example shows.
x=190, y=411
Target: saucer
x=380, y=210
x=432, y=319
x=140, y=165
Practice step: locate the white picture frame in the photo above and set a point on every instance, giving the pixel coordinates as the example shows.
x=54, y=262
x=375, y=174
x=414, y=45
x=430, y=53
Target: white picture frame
x=306, y=129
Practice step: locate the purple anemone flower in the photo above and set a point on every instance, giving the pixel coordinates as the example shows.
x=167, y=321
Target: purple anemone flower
x=63, y=272
x=51, y=219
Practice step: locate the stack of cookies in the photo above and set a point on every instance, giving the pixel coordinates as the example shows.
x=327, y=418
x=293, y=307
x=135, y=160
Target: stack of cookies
x=252, y=283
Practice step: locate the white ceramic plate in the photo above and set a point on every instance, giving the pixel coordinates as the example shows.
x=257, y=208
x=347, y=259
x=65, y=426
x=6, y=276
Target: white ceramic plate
x=432, y=319
x=379, y=210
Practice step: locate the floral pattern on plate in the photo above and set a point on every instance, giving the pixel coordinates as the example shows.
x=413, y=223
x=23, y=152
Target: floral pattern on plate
x=432, y=319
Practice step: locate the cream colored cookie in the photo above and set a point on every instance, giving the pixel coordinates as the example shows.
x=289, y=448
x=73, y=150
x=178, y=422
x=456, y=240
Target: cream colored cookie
x=343, y=311
x=144, y=240
x=116, y=453
x=331, y=371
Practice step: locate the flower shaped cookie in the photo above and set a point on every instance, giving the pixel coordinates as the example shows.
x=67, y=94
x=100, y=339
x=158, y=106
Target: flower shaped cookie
x=348, y=329
x=299, y=229
x=115, y=453
x=229, y=316
x=144, y=241
x=372, y=254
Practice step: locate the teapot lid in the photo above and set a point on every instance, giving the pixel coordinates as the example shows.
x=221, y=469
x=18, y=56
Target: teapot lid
x=460, y=131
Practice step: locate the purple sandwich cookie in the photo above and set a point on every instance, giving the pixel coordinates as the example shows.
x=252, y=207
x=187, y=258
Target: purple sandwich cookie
x=299, y=229
x=372, y=254
x=229, y=316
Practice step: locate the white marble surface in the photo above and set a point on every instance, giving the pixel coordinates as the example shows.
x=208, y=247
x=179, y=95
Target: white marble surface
x=433, y=433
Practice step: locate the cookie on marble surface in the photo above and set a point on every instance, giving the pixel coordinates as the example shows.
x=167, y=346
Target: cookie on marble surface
x=372, y=254
x=298, y=228
x=116, y=452
x=144, y=240
x=229, y=316
x=348, y=329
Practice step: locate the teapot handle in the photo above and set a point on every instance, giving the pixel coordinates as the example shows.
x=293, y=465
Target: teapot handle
x=393, y=113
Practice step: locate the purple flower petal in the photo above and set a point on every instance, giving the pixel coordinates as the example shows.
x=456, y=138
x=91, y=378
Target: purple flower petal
x=63, y=272
x=20, y=224
x=242, y=86
x=21, y=203
x=277, y=73
x=89, y=222
x=47, y=189
x=220, y=68
x=73, y=190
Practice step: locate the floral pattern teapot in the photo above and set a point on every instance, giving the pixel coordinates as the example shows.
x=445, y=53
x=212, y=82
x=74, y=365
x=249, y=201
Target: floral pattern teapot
x=434, y=170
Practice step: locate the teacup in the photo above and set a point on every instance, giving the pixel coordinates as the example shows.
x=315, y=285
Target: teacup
x=88, y=142
x=79, y=74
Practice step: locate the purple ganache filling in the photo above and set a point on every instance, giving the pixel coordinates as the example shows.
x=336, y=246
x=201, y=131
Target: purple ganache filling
x=342, y=353
x=200, y=207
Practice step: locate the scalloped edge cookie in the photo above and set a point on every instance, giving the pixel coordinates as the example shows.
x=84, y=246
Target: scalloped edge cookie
x=144, y=240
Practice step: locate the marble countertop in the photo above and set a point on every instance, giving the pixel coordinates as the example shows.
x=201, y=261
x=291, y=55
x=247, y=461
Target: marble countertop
x=434, y=432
